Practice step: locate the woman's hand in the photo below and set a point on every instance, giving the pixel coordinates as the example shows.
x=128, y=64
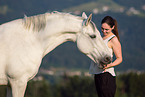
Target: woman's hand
x=106, y=66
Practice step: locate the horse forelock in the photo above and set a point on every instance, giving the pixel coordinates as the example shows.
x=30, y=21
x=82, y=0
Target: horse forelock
x=37, y=22
x=93, y=26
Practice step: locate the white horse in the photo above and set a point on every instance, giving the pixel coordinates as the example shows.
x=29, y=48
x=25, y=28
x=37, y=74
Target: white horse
x=24, y=42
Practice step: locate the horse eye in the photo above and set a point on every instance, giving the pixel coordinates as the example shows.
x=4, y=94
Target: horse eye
x=93, y=36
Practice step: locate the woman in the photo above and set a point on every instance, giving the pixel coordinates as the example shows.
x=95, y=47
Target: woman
x=105, y=80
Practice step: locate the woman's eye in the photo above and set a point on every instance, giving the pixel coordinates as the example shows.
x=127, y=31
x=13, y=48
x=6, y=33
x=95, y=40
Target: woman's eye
x=104, y=29
x=93, y=36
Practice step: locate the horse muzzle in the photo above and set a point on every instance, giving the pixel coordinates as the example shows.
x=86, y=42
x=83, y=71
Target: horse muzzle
x=104, y=61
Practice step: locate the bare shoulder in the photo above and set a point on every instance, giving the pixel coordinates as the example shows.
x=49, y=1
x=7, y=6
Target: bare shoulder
x=115, y=42
x=114, y=39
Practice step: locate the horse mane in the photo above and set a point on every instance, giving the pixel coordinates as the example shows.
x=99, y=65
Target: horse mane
x=38, y=22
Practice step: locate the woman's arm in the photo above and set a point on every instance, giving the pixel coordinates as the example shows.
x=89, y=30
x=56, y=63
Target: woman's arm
x=116, y=46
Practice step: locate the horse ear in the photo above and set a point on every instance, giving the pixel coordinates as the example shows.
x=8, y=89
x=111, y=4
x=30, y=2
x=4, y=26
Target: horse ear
x=84, y=15
x=88, y=20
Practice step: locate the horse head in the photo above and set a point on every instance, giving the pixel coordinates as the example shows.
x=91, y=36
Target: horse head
x=90, y=42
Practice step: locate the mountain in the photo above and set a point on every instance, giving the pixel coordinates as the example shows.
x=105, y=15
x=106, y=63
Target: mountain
x=13, y=9
x=129, y=14
x=101, y=6
x=97, y=6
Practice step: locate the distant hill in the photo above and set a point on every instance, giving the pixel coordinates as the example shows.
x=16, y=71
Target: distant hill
x=130, y=15
x=98, y=5
x=102, y=6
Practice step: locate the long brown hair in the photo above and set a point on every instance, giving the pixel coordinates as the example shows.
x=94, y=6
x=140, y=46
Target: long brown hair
x=111, y=22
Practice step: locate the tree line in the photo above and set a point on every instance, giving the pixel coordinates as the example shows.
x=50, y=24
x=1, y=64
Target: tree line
x=128, y=85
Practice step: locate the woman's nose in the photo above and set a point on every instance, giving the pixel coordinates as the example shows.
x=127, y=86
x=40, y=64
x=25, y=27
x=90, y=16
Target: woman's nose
x=103, y=30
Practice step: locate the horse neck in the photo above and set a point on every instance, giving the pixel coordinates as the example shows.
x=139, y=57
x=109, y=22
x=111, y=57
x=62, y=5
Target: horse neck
x=60, y=29
x=66, y=23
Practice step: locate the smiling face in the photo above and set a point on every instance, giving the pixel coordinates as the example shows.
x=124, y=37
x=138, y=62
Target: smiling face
x=106, y=29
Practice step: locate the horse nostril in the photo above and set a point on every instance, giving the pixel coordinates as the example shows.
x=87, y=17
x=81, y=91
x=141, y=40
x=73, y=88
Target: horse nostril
x=107, y=59
x=93, y=36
